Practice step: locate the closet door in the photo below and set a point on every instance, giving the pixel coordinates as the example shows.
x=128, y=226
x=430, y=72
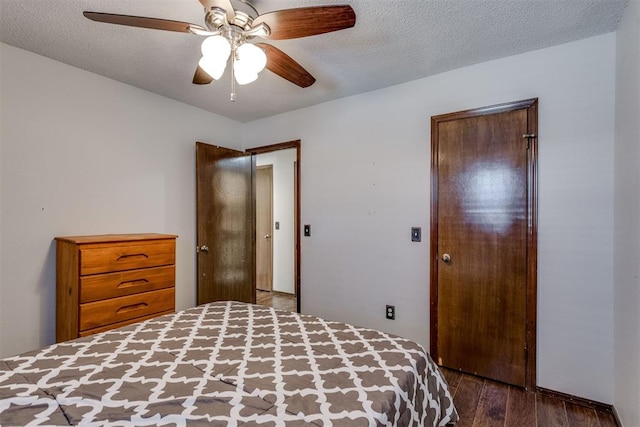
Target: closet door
x=482, y=248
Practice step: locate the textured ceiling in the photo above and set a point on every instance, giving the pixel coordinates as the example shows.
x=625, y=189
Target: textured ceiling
x=393, y=41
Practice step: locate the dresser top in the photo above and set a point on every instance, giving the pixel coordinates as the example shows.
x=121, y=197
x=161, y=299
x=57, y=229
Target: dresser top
x=111, y=238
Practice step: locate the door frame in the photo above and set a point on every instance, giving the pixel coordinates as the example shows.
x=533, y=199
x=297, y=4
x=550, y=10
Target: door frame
x=531, y=105
x=297, y=252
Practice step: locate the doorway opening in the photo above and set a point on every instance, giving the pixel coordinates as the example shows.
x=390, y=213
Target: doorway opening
x=276, y=227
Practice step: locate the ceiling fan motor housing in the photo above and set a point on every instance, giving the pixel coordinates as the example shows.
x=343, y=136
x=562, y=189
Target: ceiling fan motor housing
x=243, y=15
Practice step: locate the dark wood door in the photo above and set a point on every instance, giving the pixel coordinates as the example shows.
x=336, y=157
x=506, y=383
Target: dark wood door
x=225, y=202
x=481, y=228
x=264, y=233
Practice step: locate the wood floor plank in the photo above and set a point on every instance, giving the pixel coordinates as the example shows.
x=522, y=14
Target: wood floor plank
x=492, y=406
x=276, y=300
x=579, y=416
x=453, y=379
x=480, y=402
x=471, y=377
x=466, y=400
x=521, y=408
x=550, y=412
x=606, y=419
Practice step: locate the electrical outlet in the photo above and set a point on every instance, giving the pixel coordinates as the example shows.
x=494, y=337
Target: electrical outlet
x=391, y=312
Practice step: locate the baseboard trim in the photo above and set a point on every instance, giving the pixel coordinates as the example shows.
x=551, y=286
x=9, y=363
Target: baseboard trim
x=592, y=404
x=284, y=294
x=615, y=416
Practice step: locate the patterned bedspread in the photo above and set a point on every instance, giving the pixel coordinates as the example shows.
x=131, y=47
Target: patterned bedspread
x=223, y=364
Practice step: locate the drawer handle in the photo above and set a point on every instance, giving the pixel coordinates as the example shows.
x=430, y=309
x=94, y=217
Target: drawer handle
x=132, y=307
x=121, y=257
x=131, y=283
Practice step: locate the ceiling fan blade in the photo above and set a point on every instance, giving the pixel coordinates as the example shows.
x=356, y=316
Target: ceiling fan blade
x=307, y=21
x=143, y=22
x=222, y=4
x=283, y=65
x=201, y=77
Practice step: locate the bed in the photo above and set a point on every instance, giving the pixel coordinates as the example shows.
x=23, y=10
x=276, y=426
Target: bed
x=227, y=363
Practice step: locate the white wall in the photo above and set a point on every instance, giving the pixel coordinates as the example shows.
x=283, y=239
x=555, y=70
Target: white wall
x=627, y=218
x=283, y=211
x=2, y=125
x=82, y=154
x=365, y=182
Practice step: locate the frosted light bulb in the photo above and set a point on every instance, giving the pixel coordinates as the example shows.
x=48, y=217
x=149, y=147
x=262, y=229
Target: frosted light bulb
x=244, y=76
x=252, y=57
x=212, y=67
x=216, y=46
x=215, y=54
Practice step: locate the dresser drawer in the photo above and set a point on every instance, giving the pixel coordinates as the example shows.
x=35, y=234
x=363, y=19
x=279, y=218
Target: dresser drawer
x=111, y=285
x=129, y=256
x=114, y=310
x=88, y=332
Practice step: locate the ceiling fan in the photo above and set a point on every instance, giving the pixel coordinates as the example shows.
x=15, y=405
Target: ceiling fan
x=231, y=30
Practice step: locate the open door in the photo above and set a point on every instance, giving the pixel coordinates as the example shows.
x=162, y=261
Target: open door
x=225, y=224
x=264, y=223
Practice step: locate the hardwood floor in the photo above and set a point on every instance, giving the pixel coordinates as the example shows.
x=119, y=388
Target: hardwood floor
x=483, y=402
x=277, y=300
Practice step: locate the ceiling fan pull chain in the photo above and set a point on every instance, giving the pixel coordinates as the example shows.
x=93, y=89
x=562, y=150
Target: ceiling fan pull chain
x=233, y=76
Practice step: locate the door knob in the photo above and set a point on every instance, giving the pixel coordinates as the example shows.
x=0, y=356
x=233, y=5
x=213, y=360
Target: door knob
x=204, y=248
x=267, y=236
x=446, y=258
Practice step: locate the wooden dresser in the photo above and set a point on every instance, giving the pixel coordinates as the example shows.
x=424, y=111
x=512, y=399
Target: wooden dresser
x=108, y=281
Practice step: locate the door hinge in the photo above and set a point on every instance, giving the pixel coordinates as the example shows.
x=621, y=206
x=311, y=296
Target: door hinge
x=528, y=137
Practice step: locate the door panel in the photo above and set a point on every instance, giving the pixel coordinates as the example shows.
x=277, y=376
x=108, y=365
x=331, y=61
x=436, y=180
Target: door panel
x=480, y=248
x=225, y=226
x=264, y=233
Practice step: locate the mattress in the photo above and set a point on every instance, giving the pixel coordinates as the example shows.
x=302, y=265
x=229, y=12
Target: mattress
x=227, y=363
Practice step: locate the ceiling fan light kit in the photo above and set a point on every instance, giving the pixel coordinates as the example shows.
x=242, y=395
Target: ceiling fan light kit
x=247, y=59
x=230, y=33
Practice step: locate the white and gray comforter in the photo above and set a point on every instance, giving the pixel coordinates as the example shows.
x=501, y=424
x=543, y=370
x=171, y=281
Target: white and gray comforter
x=227, y=363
